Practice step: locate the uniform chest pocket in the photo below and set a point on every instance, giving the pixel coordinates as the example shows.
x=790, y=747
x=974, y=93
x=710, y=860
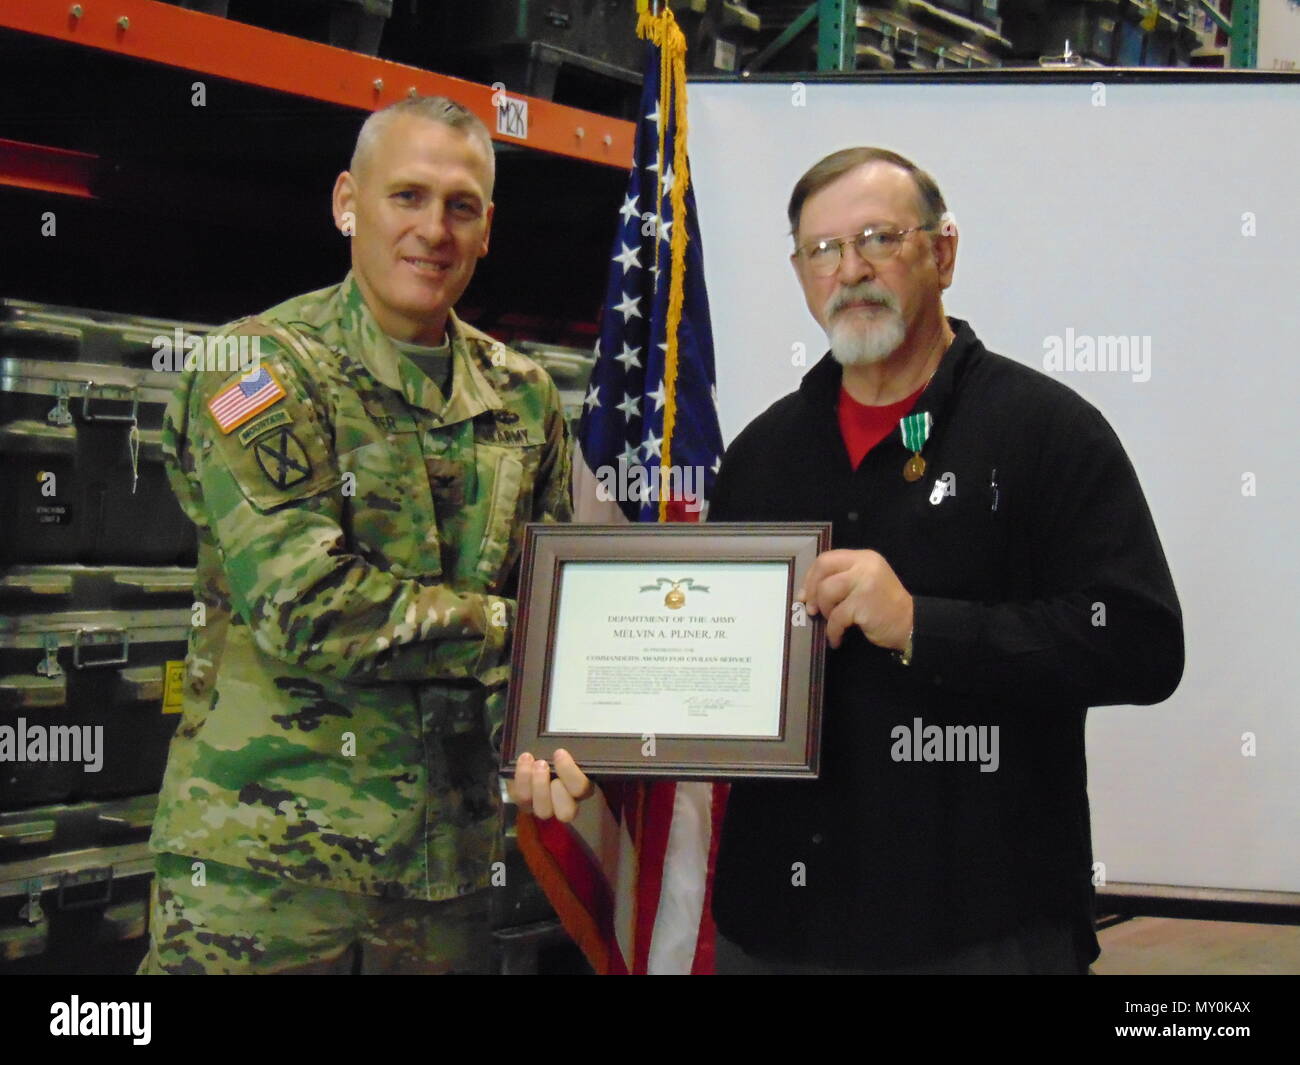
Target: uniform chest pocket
x=507, y=477
x=387, y=502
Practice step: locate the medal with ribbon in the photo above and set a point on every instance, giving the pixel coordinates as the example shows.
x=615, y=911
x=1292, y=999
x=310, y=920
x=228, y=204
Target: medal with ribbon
x=915, y=429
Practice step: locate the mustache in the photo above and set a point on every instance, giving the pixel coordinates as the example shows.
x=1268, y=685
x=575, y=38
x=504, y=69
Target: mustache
x=864, y=290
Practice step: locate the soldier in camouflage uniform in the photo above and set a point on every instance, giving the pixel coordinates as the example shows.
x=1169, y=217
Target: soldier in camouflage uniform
x=331, y=798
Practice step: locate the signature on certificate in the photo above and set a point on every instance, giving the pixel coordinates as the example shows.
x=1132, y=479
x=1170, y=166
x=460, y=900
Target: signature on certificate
x=700, y=705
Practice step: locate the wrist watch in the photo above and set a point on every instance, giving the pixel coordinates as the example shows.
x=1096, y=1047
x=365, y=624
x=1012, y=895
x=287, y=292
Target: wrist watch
x=904, y=657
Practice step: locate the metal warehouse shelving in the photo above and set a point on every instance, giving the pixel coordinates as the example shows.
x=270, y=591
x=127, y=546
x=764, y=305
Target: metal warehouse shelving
x=123, y=196
x=177, y=37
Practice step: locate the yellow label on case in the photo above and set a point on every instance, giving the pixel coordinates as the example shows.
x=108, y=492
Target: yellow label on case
x=173, y=687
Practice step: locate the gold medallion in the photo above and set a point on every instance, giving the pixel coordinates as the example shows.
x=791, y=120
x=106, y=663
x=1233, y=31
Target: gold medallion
x=675, y=599
x=915, y=468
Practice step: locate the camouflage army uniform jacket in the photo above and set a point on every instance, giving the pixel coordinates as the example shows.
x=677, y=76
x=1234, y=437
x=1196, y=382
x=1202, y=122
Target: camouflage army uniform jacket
x=358, y=540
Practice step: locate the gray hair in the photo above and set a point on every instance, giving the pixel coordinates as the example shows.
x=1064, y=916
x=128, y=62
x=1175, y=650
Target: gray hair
x=439, y=109
x=929, y=200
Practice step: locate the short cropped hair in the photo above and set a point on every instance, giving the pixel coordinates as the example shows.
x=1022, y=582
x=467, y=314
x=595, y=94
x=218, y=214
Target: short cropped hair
x=439, y=109
x=929, y=199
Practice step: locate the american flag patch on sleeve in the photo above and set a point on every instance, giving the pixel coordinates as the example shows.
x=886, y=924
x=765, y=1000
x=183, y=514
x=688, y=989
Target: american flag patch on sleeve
x=238, y=402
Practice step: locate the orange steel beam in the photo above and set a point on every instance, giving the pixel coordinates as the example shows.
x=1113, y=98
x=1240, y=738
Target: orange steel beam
x=35, y=166
x=191, y=40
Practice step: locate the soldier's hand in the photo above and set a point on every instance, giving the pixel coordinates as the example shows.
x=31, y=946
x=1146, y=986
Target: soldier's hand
x=535, y=792
x=858, y=588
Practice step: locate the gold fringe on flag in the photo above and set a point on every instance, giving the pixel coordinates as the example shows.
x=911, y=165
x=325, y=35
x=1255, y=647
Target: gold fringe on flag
x=662, y=30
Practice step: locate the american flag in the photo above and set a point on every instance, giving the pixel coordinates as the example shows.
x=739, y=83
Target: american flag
x=234, y=405
x=630, y=878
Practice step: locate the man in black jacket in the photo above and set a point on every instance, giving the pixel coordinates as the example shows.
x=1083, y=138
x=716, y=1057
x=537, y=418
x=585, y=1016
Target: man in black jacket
x=995, y=572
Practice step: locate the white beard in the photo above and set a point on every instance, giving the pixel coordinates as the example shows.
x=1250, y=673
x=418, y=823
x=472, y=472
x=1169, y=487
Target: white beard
x=856, y=343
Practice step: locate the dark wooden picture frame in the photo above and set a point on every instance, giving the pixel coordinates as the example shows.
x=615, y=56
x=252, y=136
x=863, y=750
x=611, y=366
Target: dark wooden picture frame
x=794, y=752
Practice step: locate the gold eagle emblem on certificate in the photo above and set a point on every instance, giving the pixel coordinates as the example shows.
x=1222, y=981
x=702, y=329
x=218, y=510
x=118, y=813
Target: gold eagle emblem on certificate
x=676, y=598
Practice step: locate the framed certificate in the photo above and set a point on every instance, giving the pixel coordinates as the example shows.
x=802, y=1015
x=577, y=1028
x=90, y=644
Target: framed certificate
x=668, y=650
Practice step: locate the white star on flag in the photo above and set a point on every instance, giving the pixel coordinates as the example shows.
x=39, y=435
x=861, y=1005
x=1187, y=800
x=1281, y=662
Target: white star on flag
x=628, y=258
x=658, y=396
x=717, y=465
x=628, y=308
x=654, y=115
x=651, y=444
x=669, y=178
x=593, y=398
x=629, y=406
x=630, y=454
x=628, y=357
x=628, y=210
x=664, y=227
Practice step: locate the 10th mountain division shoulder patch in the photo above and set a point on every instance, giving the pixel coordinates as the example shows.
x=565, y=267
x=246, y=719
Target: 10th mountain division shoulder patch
x=282, y=458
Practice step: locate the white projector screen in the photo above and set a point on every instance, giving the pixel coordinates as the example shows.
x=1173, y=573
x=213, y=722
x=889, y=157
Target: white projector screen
x=1158, y=207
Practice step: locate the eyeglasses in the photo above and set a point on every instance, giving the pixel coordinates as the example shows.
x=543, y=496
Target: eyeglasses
x=874, y=244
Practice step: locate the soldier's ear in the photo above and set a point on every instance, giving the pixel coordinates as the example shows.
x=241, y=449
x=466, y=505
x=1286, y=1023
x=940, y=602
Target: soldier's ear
x=487, y=229
x=343, y=202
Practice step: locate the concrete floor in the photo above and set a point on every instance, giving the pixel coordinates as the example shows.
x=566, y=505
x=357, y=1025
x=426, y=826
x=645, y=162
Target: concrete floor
x=1167, y=946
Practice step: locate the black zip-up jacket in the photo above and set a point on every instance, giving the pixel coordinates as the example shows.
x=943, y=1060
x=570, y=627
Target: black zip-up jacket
x=1040, y=590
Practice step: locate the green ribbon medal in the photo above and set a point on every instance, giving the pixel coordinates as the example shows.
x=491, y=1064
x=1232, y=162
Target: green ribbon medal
x=916, y=431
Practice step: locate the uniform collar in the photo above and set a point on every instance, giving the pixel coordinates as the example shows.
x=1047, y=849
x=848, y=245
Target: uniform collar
x=471, y=392
x=821, y=385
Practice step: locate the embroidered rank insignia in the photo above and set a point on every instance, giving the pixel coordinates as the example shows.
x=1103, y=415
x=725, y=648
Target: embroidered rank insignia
x=282, y=458
x=240, y=400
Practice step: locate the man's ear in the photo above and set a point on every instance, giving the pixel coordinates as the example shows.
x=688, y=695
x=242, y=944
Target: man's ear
x=344, y=204
x=945, y=254
x=487, y=229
